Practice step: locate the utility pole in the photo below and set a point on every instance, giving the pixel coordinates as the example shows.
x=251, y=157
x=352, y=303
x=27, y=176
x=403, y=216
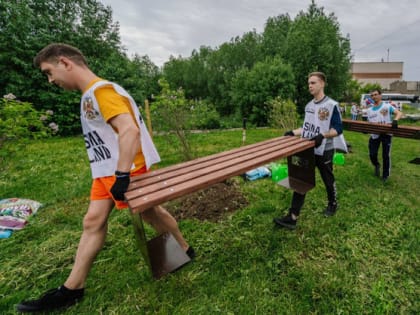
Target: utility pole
x=387, y=59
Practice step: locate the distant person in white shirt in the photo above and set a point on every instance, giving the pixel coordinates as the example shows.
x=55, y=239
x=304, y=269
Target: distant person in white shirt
x=354, y=111
x=381, y=113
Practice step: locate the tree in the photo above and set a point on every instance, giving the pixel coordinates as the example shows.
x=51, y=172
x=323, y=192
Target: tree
x=253, y=89
x=172, y=114
x=368, y=87
x=141, y=78
x=274, y=37
x=310, y=42
x=352, y=92
x=208, y=74
x=173, y=71
x=314, y=43
x=26, y=26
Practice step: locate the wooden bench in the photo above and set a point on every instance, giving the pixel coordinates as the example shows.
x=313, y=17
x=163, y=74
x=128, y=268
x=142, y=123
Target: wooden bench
x=163, y=254
x=411, y=132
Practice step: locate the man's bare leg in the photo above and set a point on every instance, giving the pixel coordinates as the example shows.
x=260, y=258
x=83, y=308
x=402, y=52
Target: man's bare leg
x=95, y=227
x=162, y=221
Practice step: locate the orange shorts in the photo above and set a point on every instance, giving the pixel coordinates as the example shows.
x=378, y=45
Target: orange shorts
x=101, y=188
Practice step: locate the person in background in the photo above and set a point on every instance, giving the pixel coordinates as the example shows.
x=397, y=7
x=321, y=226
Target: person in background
x=382, y=113
x=118, y=146
x=322, y=124
x=354, y=111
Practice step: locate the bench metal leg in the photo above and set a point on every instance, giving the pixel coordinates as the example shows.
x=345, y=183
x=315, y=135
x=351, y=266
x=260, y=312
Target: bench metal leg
x=162, y=254
x=140, y=236
x=301, y=172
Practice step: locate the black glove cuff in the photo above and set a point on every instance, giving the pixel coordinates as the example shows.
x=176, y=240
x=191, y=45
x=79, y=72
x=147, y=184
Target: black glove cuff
x=122, y=174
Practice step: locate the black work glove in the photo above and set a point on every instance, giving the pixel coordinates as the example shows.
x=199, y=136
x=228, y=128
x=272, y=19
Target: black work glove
x=395, y=123
x=120, y=186
x=318, y=139
x=289, y=133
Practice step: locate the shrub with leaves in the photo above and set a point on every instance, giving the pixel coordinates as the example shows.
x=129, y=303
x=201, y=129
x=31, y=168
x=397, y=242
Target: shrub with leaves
x=283, y=114
x=19, y=120
x=172, y=114
x=204, y=115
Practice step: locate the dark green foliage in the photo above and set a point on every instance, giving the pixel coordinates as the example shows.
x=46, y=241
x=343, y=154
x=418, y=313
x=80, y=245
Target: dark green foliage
x=275, y=34
x=172, y=114
x=282, y=114
x=19, y=120
x=26, y=26
x=314, y=43
x=310, y=42
x=253, y=88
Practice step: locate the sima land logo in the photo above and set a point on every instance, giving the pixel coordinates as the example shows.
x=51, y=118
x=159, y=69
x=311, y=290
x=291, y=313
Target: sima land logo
x=90, y=112
x=384, y=111
x=323, y=113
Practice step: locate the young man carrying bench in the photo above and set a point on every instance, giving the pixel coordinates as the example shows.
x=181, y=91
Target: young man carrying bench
x=118, y=146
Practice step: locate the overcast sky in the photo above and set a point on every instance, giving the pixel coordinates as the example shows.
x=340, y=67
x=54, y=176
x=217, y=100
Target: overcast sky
x=387, y=30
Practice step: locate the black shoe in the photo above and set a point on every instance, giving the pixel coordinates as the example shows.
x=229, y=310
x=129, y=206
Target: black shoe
x=377, y=170
x=385, y=180
x=286, y=222
x=190, y=252
x=331, y=209
x=51, y=300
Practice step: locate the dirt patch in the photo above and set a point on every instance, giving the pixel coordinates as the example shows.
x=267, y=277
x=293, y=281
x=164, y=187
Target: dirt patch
x=211, y=204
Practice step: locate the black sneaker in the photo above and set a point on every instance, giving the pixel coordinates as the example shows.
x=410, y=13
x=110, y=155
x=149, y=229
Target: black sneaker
x=286, y=222
x=331, y=209
x=377, y=170
x=190, y=252
x=51, y=300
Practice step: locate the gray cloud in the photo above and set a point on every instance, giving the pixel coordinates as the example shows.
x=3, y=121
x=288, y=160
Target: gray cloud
x=378, y=29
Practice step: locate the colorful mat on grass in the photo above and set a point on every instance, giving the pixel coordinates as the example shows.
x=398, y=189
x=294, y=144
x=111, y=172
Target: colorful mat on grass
x=14, y=212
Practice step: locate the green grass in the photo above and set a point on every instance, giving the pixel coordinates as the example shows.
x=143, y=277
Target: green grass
x=364, y=260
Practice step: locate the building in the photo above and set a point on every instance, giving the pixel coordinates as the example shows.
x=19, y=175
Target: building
x=406, y=87
x=383, y=73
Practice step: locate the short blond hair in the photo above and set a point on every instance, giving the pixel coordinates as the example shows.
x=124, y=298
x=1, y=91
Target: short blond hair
x=318, y=74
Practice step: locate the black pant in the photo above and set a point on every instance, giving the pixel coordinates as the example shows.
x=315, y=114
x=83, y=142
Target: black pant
x=325, y=165
x=386, y=149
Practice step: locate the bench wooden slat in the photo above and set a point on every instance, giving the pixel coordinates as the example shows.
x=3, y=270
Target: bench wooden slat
x=411, y=132
x=150, y=185
x=189, y=167
x=169, y=171
x=140, y=199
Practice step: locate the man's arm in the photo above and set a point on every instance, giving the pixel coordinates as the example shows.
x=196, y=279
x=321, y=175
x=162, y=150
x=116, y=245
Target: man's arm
x=397, y=114
x=336, y=126
x=297, y=132
x=128, y=140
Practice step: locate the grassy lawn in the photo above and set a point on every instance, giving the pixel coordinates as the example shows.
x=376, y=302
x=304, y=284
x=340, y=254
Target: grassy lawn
x=364, y=260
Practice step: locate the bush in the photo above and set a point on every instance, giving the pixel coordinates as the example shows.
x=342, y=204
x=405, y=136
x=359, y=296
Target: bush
x=204, y=116
x=172, y=114
x=283, y=114
x=19, y=120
